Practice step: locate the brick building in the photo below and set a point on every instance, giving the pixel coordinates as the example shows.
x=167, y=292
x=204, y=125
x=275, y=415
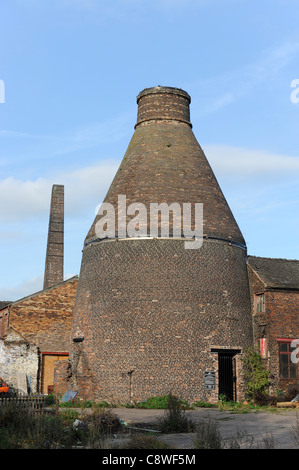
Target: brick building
x=274, y=287
x=152, y=316
x=146, y=315
x=35, y=331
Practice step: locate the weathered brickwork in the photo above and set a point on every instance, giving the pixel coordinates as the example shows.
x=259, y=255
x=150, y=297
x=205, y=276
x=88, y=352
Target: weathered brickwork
x=163, y=103
x=35, y=329
x=165, y=163
x=260, y=320
x=148, y=316
x=149, y=312
x=62, y=377
x=45, y=318
x=55, y=245
x=3, y=321
x=154, y=308
x=280, y=321
x=283, y=313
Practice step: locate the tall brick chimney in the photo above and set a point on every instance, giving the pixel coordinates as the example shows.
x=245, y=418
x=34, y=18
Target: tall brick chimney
x=152, y=317
x=55, y=245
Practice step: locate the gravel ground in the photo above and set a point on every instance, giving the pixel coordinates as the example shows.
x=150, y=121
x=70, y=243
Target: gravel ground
x=258, y=429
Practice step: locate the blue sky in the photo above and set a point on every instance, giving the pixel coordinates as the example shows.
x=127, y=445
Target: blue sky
x=72, y=70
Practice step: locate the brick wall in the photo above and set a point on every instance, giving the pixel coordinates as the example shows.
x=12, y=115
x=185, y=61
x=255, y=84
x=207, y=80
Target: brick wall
x=55, y=244
x=3, y=321
x=149, y=310
x=45, y=318
x=163, y=103
x=282, y=309
x=259, y=320
x=154, y=308
x=280, y=320
x=165, y=163
x=62, y=377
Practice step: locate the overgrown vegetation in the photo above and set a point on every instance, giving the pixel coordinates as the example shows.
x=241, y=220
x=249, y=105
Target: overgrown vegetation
x=175, y=418
x=204, y=404
x=22, y=428
x=162, y=402
x=207, y=435
x=259, y=400
x=256, y=376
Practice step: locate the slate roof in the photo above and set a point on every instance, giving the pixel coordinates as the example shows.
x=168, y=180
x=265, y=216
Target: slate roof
x=276, y=272
x=4, y=303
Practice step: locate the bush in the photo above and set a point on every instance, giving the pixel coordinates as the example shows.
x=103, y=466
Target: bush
x=262, y=398
x=256, y=376
x=154, y=403
x=102, y=421
x=204, y=404
x=76, y=403
x=161, y=402
x=208, y=435
x=50, y=399
x=23, y=429
x=175, y=418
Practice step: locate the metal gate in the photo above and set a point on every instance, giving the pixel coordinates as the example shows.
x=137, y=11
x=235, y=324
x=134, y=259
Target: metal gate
x=227, y=375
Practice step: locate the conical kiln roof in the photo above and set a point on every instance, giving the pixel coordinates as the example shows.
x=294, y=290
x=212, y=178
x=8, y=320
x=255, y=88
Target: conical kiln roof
x=164, y=163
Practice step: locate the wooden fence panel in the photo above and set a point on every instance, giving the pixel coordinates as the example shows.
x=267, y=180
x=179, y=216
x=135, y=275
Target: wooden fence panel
x=35, y=402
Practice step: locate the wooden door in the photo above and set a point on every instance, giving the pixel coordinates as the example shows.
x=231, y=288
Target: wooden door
x=48, y=365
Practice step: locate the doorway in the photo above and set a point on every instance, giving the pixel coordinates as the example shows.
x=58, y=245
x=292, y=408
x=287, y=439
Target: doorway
x=227, y=376
x=48, y=366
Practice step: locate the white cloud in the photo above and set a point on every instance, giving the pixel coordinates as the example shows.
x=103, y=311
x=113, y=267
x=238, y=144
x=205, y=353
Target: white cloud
x=28, y=287
x=25, y=288
x=259, y=185
x=87, y=184
x=251, y=164
x=21, y=200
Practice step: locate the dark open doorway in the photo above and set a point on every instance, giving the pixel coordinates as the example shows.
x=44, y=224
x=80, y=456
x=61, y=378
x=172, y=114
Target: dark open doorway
x=227, y=378
x=227, y=375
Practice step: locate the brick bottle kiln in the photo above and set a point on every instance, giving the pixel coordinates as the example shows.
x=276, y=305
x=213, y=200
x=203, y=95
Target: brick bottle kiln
x=152, y=317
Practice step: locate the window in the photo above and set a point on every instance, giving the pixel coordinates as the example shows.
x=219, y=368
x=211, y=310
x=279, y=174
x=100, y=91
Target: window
x=288, y=368
x=259, y=303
